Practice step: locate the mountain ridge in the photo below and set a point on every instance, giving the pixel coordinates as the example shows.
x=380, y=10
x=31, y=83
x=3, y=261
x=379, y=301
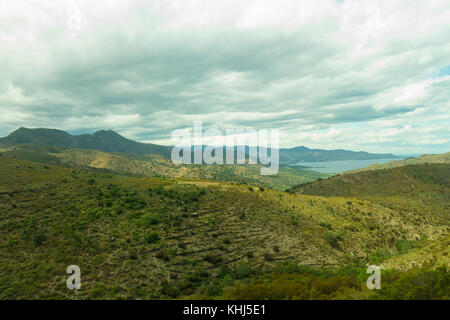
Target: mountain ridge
x=111, y=141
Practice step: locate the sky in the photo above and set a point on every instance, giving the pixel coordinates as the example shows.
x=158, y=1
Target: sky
x=357, y=75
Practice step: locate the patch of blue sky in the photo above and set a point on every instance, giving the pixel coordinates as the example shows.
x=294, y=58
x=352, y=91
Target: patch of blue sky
x=445, y=71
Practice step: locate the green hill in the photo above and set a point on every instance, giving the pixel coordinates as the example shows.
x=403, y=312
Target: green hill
x=148, y=238
x=152, y=165
x=423, y=159
x=406, y=181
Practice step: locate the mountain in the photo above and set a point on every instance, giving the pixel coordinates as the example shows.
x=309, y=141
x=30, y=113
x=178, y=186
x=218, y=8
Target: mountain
x=110, y=141
x=159, y=238
x=104, y=140
x=297, y=154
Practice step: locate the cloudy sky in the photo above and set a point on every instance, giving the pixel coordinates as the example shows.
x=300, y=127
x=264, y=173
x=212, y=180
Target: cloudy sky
x=361, y=75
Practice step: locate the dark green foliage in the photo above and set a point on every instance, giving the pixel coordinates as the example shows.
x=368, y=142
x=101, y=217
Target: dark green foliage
x=416, y=284
x=214, y=259
x=151, y=237
x=334, y=239
x=39, y=239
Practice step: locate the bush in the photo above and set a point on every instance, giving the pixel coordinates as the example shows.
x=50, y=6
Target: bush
x=417, y=284
x=132, y=254
x=213, y=259
x=151, y=237
x=404, y=246
x=268, y=256
x=333, y=240
x=242, y=271
x=149, y=219
x=163, y=255
x=39, y=239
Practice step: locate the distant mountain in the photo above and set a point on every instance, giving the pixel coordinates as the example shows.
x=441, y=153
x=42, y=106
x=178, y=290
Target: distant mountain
x=110, y=141
x=298, y=154
x=103, y=140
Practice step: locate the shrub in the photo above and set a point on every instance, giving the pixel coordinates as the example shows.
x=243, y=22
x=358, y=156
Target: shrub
x=197, y=276
x=242, y=271
x=39, y=239
x=132, y=254
x=151, y=237
x=149, y=219
x=213, y=290
x=163, y=255
x=268, y=256
x=333, y=240
x=213, y=259
x=404, y=246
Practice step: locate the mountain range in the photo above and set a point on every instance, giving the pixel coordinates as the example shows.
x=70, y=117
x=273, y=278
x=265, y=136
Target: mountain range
x=110, y=141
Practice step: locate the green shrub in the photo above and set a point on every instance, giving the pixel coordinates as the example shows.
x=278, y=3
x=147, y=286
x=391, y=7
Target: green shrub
x=163, y=255
x=39, y=239
x=151, y=237
x=333, y=240
x=213, y=259
x=149, y=219
x=242, y=271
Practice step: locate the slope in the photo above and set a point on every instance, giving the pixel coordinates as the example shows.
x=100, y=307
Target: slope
x=137, y=237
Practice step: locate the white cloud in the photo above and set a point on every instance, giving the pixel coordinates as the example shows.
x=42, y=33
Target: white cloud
x=354, y=73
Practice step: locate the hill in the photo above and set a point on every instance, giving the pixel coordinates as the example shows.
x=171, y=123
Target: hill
x=152, y=165
x=411, y=181
x=423, y=159
x=139, y=237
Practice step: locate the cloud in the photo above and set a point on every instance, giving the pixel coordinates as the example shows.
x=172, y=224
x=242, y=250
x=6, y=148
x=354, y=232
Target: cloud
x=322, y=72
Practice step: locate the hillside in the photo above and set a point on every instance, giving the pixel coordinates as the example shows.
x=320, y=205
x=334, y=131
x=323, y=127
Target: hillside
x=423, y=159
x=157, y=166
x=425, y=181
x=416, y=188
x=138, y=237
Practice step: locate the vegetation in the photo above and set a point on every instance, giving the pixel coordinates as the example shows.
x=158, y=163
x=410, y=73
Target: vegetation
x=157, y=166
x=424, y=159
x=151, y=238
